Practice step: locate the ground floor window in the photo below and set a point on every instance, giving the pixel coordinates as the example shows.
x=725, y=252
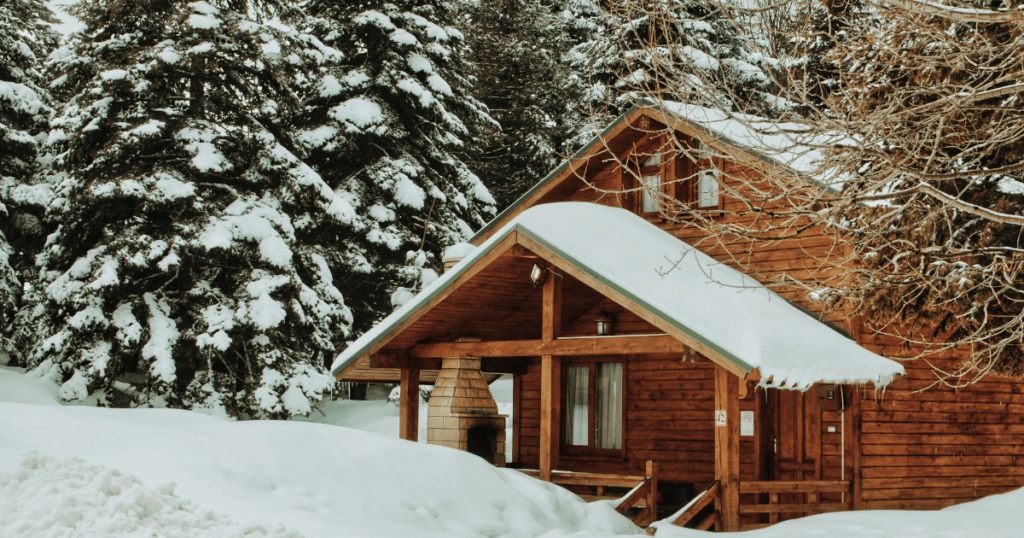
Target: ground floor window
x=593, y=404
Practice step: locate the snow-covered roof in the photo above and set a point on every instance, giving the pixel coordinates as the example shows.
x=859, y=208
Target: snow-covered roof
x=731, y=313
x=784, y=145
x=788, y=145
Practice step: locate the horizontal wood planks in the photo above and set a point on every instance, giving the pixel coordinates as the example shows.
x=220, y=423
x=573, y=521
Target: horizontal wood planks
x=933, y=448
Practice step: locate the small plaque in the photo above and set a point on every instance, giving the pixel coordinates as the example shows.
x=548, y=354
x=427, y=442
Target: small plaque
x=746, y=423
x=720, y=417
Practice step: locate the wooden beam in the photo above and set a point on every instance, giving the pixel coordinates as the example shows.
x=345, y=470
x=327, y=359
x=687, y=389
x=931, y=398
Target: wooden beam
x=627, y=303
x=550, y=413
x=551, y=326
x=727, y=449
x=493, y=365
x=607, y=345
x=409, y=420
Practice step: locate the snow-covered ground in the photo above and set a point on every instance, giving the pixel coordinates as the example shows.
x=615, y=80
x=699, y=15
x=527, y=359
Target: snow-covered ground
x=83, y=471
x=75, y=471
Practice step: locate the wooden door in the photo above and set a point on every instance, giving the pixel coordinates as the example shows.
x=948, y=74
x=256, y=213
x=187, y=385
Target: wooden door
x=800, y=420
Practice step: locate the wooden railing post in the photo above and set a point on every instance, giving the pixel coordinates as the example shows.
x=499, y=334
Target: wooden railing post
x=652, y=492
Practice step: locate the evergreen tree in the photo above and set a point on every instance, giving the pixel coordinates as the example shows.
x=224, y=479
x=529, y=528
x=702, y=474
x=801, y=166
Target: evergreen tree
x=386, y=127
x=648, y=47
x=25, y=39
x=191, y=242
x=517, y=46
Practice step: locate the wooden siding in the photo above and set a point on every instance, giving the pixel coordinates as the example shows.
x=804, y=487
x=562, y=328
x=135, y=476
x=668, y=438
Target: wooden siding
x=932, y=448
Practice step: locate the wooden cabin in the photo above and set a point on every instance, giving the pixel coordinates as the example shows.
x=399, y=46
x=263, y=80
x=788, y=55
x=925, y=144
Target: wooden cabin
x=641, y=355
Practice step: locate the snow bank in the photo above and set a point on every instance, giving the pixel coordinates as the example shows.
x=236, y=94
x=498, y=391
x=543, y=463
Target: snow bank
x=317, y=479
x=95, y=500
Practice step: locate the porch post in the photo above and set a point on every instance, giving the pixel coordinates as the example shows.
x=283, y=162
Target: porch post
x=727, y=450
x=550, y=377
x=409, y=420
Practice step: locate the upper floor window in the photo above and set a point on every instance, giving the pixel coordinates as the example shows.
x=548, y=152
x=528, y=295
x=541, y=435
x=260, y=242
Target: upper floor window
x=650, y=175
x=707, y=195
x=661, y=177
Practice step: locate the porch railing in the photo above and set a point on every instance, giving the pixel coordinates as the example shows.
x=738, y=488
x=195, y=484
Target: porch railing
x=813, y=505
x=643, y=493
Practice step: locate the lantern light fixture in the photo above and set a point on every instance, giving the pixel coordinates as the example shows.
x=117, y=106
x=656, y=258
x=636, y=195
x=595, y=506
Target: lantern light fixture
x=604, y=324
x=537, y=276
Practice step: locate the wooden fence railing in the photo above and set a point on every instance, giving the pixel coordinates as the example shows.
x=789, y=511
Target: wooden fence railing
x=813, y=505
x=643, y=492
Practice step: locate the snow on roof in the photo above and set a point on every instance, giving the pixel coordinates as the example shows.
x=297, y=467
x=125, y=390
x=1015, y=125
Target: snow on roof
x=745, y=322
x=778, y=143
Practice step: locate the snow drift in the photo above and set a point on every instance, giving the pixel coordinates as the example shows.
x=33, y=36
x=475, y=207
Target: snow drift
x=313, y=479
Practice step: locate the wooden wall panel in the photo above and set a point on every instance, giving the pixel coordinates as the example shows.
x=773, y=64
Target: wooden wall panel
x=938, y=447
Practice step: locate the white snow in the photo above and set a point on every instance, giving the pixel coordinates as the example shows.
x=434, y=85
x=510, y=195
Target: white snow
x=329, y=86
x=39, y=195
x=266, y=313
x=203, y=22
x=458, y=250
x=114, y=74
x=171, y=188
x=274, y=250
x=163, y=334
x=438, y=84
x=419, y=64
x=738, y=316
x=402, y=37
x=358, y=111
x=409, y=193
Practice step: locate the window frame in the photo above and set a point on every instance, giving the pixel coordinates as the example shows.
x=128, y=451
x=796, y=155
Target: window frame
x=589, y=451
x=711, y=164
x=679, y=177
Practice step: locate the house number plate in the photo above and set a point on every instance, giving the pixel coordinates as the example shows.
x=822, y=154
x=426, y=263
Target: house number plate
x=720, y=417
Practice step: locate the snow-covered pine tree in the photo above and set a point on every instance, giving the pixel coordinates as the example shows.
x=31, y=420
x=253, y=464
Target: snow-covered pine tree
x=26, y=38
x=189, y=246
x=517, y=46
x=387, y=128
x=651, y=42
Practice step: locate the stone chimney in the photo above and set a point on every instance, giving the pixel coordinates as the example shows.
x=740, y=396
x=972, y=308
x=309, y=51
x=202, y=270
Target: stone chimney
x=463, y=414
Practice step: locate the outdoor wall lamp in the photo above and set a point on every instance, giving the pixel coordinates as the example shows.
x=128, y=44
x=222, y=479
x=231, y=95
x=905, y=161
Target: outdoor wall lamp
x=604, y=324
x=537, y=276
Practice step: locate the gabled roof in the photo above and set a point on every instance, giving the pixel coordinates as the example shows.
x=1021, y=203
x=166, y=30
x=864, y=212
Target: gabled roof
x=756, y=141
x=727, y=316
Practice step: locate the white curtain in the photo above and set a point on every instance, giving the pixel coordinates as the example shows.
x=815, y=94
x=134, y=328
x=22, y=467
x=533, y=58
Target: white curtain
x=648, y=200
x=577, y=405
x=608, y=419
x=707, y=189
